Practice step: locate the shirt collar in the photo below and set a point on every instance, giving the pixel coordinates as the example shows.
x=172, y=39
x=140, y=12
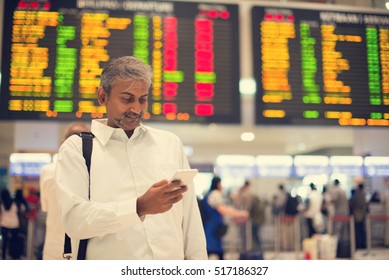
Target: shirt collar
x=104, y=133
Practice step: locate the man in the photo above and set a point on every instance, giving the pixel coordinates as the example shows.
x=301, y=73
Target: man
x=280, y=200
x=341, y=209
x=359, y=209
x=385, y=205
x=54, y=235
x=248, y=200
x=315, y=223
x=133, y=211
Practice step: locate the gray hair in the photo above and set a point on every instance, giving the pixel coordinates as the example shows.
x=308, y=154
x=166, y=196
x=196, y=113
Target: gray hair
x=126, y=67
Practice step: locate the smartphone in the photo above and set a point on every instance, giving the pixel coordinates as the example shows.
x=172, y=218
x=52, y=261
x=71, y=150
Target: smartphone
x=185, y=175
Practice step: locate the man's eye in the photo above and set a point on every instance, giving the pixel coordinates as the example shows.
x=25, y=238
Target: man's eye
x=143, y=100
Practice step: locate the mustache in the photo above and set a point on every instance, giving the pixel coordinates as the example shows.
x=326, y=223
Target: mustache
x=130, y=115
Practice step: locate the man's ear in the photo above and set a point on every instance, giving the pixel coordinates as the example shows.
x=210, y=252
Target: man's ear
x=101, y=96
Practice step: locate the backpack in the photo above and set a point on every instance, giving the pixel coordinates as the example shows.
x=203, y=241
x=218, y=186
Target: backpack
x=200, y=203
x=291, y=205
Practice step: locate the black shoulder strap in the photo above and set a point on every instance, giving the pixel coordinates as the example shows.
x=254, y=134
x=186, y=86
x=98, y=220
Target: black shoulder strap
x=87, y=146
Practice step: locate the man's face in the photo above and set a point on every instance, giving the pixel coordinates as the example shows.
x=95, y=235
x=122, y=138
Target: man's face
x=126, y=103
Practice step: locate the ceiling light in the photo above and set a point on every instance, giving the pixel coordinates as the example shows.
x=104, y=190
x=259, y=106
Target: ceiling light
x=212, y=126
x=301, y=147
x=188, y=150
x=247, y=86
x=247, y=136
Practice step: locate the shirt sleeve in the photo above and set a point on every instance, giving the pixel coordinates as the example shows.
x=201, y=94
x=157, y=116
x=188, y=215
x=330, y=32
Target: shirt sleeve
x=44, y=180
x=194, y=237
x=82, y=218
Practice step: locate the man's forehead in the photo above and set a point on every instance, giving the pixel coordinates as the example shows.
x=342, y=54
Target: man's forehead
x=129, y=83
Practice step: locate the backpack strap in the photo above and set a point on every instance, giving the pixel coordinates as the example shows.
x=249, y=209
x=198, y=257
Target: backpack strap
x=87, y=146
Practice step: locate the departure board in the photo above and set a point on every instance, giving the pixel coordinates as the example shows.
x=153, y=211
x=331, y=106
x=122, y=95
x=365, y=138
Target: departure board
x=321, y=67
x=54, y=52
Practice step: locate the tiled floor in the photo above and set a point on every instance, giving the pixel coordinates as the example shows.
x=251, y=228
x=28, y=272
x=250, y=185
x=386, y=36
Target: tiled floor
x=373, y=254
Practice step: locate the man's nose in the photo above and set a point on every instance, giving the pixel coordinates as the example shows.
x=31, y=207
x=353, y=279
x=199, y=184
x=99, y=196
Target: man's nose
x=135, y=108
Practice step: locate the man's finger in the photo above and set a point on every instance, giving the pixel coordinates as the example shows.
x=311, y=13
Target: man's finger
x=160, y=183
x=176, y=189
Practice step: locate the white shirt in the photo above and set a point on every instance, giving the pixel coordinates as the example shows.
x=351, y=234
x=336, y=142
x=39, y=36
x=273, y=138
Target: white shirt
x=122, y=169
x=55, y=234
x=315, y=202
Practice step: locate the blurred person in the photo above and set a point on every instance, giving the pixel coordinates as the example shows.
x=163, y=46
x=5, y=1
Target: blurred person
x=133, y=211
x=278, y=210
x=23, y=213
x=258, y=217
x=338, y=199
x=274, y=208
x=53, y=247
x=279, y=200
x=341, y=208
x=37, y=217
x=385, y=204
x=312, y=213
x=215, y=209
x=9, y=223
x=327, y=208
x=21, y=202
x=249, y=201
x=292, y=209
x=358, y=208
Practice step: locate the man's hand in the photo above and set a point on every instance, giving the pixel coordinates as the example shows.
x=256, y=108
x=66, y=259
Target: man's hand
x=160, y=197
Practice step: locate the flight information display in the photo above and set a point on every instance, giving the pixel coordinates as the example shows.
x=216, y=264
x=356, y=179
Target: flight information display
x=54, y=53
x=321, y=67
